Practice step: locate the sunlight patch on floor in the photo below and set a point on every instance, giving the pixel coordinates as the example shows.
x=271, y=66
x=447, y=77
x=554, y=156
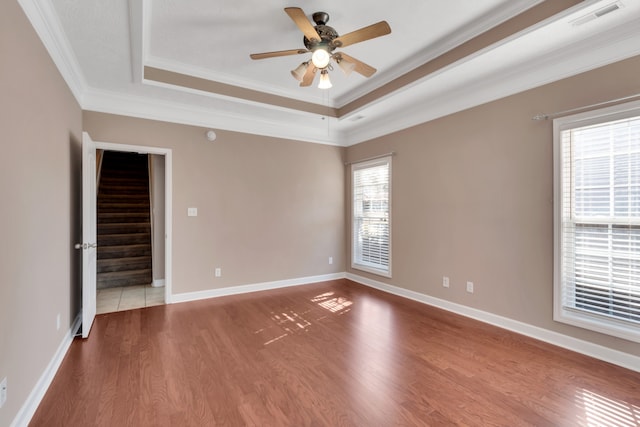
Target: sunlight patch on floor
x=603, y=411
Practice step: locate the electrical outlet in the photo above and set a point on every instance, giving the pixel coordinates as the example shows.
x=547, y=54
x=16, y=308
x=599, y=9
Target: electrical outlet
x=218, y=272
x=3, y=391
x=192, y=211
x=445, y=281
x=330, y=260
x=58, y=322
x=470, y=287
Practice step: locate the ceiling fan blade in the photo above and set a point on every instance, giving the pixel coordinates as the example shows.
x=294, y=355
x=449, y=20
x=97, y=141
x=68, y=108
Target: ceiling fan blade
x=308, y=75
x=371, y=32
x=302, y=22
x=278, y=53
x=362, y=68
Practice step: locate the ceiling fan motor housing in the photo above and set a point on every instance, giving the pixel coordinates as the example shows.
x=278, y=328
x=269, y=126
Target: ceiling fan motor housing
x=327, y=34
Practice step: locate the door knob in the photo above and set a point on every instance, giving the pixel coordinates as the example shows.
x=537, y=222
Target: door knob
x=85, y=245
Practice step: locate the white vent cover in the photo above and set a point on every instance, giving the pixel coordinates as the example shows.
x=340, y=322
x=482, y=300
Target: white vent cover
x=597, y=13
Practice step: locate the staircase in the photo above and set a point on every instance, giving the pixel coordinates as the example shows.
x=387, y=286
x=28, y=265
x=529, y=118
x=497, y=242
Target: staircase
x=124, y=221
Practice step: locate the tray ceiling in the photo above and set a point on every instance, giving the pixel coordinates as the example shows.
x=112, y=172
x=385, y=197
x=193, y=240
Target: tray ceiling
x=188, y=61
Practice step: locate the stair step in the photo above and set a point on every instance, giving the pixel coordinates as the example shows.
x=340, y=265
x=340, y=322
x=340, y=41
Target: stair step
x=123, y=196
x=108, y=182
x=122, y=169
x=121, y=217
x=124, y=239
x=124, y=228
x=123, y=207
x=124, y=264
x=123, y=189
x=123, y=251
x=112, y=187
x=124, y=278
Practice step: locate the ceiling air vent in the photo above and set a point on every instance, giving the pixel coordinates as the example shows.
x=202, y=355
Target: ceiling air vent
x=597, y=13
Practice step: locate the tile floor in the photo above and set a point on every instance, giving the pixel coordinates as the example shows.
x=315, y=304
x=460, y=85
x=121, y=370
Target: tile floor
x=127, y=298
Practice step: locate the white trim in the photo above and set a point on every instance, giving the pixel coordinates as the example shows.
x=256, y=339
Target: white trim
x=561, y=313
x=616, y=357
x=157, y=283
x=296, y=125
x=46, y=24
x=554, y=66
x=255, y=287
x=24, y=415
x=366, y=164
x=168, y=200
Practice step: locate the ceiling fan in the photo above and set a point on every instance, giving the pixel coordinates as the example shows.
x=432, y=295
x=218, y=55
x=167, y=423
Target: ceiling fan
x=321, y=40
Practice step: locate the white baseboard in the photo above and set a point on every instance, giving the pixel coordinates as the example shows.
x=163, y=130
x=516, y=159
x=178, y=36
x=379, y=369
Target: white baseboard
x=158, y=283
x=619, y=358
x=23, y=417
x=234, y=290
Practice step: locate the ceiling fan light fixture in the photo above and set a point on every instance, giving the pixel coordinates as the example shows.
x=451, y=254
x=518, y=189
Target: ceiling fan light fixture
x=320, y=58
x=298, y=73
x=325, y=82
x=346, y=66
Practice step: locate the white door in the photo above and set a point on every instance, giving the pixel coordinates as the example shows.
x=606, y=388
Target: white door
x=89, y=241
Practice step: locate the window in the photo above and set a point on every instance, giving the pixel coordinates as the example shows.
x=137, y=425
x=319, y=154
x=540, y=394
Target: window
x=371, y=196
x=597, y=221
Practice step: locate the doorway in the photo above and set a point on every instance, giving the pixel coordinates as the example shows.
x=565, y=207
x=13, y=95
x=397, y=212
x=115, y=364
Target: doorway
x=156, y=289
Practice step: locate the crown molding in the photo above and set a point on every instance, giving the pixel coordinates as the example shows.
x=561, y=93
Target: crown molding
x=295, y=125
x=45, y=22
x=588, y=54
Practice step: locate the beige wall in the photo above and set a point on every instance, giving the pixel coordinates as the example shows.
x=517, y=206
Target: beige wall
x=473, y=200
x=40, y=131
x=268, y=209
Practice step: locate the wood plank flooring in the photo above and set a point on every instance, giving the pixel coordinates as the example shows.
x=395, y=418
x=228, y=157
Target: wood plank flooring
x=328, y=354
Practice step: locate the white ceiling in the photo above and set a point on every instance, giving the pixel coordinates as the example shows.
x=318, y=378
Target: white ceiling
x=102, y=46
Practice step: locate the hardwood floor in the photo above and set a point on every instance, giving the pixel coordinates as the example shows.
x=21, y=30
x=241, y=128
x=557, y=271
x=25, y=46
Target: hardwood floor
x=329, y=354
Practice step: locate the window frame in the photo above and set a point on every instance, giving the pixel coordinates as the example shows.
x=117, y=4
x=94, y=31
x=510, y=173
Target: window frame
x=354, y=241
x=573, y=316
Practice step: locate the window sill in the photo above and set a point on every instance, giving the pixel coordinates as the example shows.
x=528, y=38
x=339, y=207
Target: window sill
x=597, y=323
x=372, y=270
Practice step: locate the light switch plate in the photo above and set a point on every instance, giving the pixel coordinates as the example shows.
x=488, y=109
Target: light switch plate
x=192, y=211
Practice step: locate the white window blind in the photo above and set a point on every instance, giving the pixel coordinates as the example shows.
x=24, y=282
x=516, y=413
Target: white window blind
x=371, y=191
x=600, y=226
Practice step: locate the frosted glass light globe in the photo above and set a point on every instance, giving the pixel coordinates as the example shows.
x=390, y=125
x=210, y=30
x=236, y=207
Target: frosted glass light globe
x=320, y=58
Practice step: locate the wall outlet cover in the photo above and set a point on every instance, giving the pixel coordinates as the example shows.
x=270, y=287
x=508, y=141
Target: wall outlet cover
x=3, y=391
